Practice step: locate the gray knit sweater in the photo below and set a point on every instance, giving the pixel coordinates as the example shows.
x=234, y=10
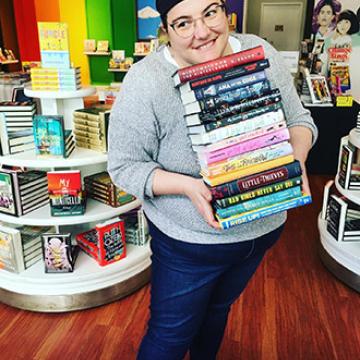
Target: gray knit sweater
x=148, y=131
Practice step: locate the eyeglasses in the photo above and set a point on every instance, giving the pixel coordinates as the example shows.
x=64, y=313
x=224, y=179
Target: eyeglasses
x=185, y=26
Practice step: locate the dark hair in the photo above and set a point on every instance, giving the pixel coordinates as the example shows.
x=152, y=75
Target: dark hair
x=163, y=17
x=335, y=6
x=350, y=15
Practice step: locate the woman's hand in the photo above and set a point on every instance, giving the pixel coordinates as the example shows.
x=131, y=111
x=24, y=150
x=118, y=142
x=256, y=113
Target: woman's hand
x=200, y=196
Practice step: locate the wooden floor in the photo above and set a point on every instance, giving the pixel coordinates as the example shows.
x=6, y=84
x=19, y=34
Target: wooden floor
x=292, y=309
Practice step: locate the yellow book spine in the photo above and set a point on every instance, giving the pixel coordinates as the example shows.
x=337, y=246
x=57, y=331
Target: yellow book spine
x=224, y=178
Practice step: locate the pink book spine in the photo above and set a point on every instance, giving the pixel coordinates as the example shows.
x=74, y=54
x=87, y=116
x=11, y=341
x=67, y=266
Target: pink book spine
x=252, y=144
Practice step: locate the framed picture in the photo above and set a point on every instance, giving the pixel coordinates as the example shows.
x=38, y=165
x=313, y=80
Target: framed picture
x=147, y=19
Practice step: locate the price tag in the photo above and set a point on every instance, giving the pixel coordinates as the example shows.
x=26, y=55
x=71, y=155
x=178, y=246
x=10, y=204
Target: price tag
x=344, y=101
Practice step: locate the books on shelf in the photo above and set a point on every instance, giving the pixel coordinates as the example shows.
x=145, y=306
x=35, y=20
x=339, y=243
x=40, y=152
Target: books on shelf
x=51, y=138
x=22, y=192
x=90, y=128
x=136, y=227
x=105, y=243
x=20, y=247
x=65, y=193
x=59, y=254
x=100, y=187
x=318, y=89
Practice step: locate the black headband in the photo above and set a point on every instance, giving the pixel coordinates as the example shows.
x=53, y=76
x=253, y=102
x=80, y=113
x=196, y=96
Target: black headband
x=164, y=6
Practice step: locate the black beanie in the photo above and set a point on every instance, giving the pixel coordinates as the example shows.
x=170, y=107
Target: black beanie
x=164, y=6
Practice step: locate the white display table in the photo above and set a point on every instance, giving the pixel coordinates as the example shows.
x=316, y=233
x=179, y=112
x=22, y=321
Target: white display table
x=61, y=102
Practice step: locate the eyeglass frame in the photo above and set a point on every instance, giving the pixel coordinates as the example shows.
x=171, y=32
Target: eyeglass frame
x=221, y=6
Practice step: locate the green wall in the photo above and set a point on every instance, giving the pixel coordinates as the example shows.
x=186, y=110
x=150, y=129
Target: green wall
x=99, y=27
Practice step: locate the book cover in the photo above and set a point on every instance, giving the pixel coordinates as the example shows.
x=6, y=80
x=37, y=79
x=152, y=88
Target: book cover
x=65, y=193
x=224, y=75
x=336, y=214
x=346, y=160
x=11, y=254
x=49, y=135
x=214, y=66
x=57, y=253
x=8, y=199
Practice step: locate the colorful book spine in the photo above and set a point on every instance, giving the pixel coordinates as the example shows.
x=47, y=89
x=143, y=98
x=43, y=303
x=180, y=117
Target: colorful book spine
x=238, y=139
x=218, y=114
x=229, y=98
x=237, y=129
x=224, y=178
x=271, y=138
x=209, y=126
x=250, y=159
x=263, y=212
x=255, y=181
x=260, y=202
x=225, y=75
x=220, y=88
x=210, y=67
x=256, y=193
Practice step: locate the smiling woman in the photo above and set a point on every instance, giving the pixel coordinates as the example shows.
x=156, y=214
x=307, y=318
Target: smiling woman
x=198, y=270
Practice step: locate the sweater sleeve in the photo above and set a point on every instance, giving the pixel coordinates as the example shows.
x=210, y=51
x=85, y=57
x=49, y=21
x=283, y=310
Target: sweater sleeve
x=281, y=78
x=133, y=137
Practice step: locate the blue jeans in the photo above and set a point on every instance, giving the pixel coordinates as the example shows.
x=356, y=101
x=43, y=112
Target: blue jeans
x=192, y=289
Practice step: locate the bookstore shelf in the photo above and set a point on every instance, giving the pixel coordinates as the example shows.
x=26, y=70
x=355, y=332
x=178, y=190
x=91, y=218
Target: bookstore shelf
x=341, y=258
x=118, y=70
x=80, y=157
x=95, y=211
x=61, y=102
x=353, y=195
x=88, y=286
x=97, y=53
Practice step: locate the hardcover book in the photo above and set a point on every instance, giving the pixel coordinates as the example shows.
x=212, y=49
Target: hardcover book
x=65, y=193
x=105, y=243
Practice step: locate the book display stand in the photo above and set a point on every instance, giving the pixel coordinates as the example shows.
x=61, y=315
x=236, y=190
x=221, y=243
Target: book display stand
x=61, y=102
x=342, y=258
x=90, y=284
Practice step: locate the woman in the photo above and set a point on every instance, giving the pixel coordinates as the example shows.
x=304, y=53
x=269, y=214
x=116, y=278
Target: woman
x=198, y=270
x=324, y=18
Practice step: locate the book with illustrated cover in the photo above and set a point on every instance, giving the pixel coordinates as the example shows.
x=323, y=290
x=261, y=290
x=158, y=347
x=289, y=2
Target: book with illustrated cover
x=89, y=45
x=58, y=253
x=105, y=243
x=210, y=67
x=102, y=46
x=8, y=203
x=221, y=76
x=11, y=255
x=319, y=91
x=49, y=135
x=344, y=170
x=65, y=193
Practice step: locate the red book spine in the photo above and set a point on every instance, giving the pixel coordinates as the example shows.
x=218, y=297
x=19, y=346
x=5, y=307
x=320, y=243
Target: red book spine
x=221, y=64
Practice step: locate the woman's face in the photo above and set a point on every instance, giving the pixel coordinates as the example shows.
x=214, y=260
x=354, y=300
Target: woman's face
x=325, y=16
x=343, y=26
x=205, y=43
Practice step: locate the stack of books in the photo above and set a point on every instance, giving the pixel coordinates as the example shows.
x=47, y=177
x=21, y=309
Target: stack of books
x=100, y=187
x=16, y=121
x=237, y=127
x=51, y=138
x=20, y=247
x=55, y=79
x=105, y=243
x=22, y=192
x=90, y=128
x=136, y=227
